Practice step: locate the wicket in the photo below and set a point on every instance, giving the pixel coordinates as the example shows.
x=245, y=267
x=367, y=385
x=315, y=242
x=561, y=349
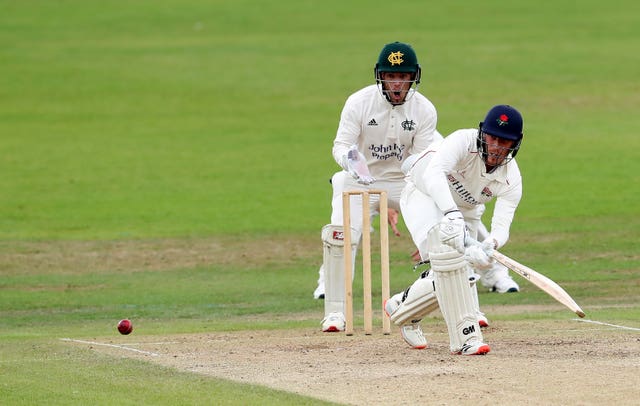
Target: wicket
x=366, y=259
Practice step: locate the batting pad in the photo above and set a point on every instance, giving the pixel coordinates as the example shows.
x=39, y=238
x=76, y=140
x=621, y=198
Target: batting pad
x=473, y=279
x=420, y=301
x=454, y=295
x=333, y=264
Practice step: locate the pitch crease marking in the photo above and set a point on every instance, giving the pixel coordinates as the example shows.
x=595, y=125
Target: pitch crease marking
x=111, y=345
x=607, y=324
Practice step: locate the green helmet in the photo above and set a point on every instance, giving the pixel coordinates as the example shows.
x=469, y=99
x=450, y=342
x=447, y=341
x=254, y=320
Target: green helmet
x=398, y=57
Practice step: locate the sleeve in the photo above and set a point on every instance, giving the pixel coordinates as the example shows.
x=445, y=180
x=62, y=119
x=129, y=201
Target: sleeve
x=348, y=132
x=433, y=181
x=504, y=212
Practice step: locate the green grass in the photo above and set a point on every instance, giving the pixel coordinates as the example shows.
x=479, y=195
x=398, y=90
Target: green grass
x=83, y=377
x=192, y=120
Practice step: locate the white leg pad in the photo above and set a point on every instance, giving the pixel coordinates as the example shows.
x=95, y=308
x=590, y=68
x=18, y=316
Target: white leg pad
x=473, y=278
x=333, y=266
x=420, y=300
x=454, y=295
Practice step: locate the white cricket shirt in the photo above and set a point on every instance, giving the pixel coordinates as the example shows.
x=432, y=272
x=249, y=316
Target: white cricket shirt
x=385, y=134
x=455, y=177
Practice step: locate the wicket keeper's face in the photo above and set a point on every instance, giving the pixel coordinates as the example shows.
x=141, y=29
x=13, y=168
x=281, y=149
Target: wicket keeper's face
x=396, y=85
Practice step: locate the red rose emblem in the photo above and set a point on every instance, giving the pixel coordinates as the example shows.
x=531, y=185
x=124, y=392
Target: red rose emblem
x=504, y=117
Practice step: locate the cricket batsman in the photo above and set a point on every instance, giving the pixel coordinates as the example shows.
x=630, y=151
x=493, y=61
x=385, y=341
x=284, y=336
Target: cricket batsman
x=442, y=203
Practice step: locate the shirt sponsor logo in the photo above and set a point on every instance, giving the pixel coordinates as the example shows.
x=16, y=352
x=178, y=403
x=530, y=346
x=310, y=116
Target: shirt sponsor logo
x=384, y=152
x=372, y=122
x=456, y=186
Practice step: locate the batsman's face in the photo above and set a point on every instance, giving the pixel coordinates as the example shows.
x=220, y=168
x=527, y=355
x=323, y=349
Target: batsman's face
x=497, y=149
x=396, y=85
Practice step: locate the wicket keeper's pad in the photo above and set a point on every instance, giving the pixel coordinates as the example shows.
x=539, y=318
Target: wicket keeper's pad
x=333, y=264
x=455, y=296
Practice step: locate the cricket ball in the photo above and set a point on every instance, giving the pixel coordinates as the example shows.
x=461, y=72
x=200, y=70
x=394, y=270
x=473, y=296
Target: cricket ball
x=125, y=327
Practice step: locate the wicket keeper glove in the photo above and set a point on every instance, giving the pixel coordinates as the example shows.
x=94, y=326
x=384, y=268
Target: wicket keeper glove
x=357, y=167
x=453, y=230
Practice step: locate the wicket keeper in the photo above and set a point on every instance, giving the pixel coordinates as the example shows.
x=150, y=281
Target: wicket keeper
x=380, y=126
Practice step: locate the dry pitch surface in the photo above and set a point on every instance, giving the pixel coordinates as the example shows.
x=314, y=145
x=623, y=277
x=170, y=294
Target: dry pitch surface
x=533, y=363
x=559, y=362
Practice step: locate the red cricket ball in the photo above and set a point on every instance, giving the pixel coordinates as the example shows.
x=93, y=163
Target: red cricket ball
x=125, y=327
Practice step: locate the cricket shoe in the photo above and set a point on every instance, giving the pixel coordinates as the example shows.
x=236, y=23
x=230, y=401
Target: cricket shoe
x=497, y=279
x=505, y=285
x=334, y=322
x=474, y=347
x=319, y=292
x=411, y=333
x=482, y=320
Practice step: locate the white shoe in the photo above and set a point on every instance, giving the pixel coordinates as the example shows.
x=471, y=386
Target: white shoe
x=505, y=284
x=412, y=334
x=482, y=319
x=334, y=322
x=474, y=347
x=497, y=279
x=319, y=292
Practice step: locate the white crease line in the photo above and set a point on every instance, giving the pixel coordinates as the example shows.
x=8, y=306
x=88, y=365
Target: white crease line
x=607, y=324
x=111, y=345
x=160, y=343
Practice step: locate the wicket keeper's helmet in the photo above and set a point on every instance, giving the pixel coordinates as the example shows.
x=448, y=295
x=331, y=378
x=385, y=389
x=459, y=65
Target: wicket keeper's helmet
x=504, y=122
x=398, y=57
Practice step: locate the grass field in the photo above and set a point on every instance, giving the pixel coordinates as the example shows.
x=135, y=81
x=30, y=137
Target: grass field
x=168, y=161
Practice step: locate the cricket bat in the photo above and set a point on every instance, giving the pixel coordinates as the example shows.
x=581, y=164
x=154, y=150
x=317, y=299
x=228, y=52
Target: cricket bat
x=550, y=287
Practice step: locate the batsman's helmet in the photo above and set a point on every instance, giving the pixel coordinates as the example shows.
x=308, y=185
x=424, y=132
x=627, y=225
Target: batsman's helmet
x=505, y=122
x=398, y=57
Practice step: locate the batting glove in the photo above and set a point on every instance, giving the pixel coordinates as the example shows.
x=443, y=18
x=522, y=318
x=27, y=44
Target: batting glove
x=478, y=257
x=452, y=230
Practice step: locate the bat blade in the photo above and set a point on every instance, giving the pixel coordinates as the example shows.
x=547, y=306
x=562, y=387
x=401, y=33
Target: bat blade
x=547, y=285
